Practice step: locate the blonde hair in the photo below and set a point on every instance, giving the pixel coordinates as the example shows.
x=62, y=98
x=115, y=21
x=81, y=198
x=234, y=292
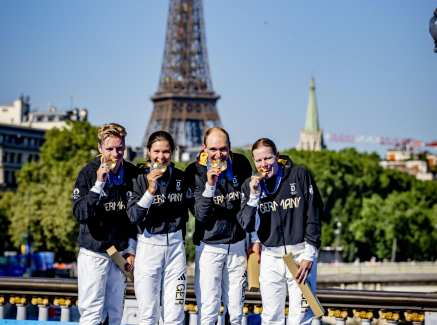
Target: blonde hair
x=111, y=130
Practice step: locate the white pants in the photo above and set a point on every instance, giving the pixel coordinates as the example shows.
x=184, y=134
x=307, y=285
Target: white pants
x=102, y=288
x=160, y=267
x=275, y=279
x=220, y=276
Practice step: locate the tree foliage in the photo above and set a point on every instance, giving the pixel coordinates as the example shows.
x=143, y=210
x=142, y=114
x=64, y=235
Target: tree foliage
x=43, y=201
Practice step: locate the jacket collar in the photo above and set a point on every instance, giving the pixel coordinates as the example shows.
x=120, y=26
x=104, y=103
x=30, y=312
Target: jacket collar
x=286, y=163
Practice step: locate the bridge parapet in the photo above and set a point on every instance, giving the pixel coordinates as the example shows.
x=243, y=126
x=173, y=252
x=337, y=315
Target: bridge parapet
x=363, y=305
x=378, y=268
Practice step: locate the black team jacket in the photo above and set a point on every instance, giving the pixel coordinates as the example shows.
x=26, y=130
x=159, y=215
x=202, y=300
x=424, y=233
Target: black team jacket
x=216, y=221
x=168, y=212
x=289, y=216
x=103, y=221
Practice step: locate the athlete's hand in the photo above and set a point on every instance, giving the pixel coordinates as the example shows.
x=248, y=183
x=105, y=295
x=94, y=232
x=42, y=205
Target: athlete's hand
x=152, y=178
x=304, y=270
x=129, y=267
x=102, y=173
x=256, y=248
x=213, y=175
x=254, y=185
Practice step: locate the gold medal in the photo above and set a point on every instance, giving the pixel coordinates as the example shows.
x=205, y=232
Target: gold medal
x=160, y=166
x=261, y=174
x=110, y=163
x=222, y=165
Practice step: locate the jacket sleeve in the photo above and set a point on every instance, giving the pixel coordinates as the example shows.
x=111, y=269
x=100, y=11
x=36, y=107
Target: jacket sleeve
x=201, y=200
x=249, y=207
x=85, y=201
x=314, y=211
x=140, y=200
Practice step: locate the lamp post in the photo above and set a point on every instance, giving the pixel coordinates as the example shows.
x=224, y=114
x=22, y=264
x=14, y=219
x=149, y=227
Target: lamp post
x=27, y=239
x=433, y=28
x=337, y=232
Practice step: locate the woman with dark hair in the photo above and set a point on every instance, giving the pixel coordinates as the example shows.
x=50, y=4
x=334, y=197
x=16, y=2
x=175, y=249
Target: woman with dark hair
x=283, y=204
x=158, y=207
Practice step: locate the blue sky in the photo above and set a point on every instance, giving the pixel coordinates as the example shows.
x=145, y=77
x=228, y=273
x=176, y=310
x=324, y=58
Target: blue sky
x=374, y=65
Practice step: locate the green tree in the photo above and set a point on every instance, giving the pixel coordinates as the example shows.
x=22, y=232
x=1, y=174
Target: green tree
x=49, y=184
x=405, y=216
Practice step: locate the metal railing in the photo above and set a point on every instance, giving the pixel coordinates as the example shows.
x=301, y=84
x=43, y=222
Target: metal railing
x=339, y=304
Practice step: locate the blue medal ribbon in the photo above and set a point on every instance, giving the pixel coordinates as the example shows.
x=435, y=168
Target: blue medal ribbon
x=228, y=171
x=116, y=180
x=278, y=181
x=165, y=184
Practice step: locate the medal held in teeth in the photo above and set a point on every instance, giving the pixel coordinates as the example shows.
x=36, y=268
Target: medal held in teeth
x=261, y=174
x=222, y=165
x=160, y=166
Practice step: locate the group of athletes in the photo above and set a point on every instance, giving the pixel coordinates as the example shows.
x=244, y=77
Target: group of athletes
x=143, y=212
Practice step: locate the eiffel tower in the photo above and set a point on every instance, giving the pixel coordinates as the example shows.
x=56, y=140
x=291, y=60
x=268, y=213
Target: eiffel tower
x=185, y=103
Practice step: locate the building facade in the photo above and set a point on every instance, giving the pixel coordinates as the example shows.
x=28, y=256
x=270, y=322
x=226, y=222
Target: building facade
x=419, y=163
x=18, y=145
x=18, y=113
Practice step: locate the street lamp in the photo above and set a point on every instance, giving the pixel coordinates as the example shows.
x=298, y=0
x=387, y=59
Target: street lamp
x=433, y=28
x=337, y=232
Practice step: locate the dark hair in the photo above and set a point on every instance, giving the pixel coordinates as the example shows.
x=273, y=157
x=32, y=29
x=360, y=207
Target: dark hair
x=161, y=136
x=264, y=142
x=216, y=129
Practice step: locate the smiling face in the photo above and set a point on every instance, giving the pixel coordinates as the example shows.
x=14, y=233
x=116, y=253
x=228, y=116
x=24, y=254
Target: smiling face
x=160, y=151
x=113, y=147
x=217, y=146
x=266, y=159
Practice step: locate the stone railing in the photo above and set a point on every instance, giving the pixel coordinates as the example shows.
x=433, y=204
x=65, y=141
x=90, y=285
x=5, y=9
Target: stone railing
x=378, y=268
x=339, y=304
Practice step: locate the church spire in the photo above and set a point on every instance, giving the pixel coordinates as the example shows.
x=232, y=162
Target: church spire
x=311, y=137
x=312, y=120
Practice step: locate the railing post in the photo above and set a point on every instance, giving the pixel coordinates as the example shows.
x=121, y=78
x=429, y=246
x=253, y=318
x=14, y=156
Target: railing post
x=365, y=316
x=339, y=314
x=65, y=314
x=416, y=317
x=2, y=302
x=220, y=316
x=43, y=311
x=392, y=317
x=192, y=311
x=20, y=302
x=65, y=304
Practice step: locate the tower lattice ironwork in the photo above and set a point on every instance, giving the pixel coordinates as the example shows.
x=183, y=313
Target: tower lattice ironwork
x=185, y=103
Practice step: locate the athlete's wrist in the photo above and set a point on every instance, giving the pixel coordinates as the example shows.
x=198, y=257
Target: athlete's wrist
x=151, y=190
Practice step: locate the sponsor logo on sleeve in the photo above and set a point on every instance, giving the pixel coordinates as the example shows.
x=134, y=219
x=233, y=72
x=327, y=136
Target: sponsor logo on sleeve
x=311, y=189
x=128, y=195
x=189, y=193
x=76, y=194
